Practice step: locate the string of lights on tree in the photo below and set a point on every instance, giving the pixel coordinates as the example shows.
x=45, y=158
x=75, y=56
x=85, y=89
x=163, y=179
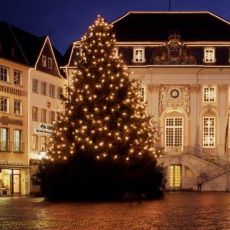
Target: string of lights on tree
x=104, y=114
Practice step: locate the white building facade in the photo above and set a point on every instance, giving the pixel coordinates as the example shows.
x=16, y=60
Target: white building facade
x=183, y=62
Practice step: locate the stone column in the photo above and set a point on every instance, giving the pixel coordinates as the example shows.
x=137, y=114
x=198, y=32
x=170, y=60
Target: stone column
x=222, y=100
x=194, y=130
x=153, y=101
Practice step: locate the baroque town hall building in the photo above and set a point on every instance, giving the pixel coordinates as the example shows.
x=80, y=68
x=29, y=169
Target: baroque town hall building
x=183, y=62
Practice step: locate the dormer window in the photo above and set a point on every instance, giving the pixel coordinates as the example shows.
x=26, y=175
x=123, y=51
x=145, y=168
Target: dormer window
x=138, y=55
x=43, y=60
x=50, y=63
x=209, y=55
x=229, y=55
x=116, y=52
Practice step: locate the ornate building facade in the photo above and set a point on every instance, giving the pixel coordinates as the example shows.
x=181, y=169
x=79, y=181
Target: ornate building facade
x=182, y=60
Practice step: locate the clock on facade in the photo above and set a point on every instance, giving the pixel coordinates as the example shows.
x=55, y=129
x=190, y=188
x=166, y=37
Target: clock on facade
x=174, y=93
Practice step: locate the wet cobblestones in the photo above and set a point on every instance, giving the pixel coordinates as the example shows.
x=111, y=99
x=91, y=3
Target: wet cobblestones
x=177, y=211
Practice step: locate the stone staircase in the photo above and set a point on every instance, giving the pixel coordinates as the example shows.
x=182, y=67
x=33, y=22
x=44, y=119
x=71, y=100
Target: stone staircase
x=211, y=169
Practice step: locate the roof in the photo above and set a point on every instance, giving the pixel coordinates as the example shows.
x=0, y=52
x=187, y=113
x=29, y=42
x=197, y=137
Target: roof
x=27, y=46
x=156, y=26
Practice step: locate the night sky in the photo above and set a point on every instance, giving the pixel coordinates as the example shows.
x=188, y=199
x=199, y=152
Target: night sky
x=66, y=20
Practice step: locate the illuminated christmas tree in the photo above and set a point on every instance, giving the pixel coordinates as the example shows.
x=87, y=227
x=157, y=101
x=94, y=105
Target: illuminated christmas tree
x=103, y=143
x=104, y=117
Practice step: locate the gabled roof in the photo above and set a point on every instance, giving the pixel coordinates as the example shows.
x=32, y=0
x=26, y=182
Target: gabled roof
x=156, y=26
x=28, y=46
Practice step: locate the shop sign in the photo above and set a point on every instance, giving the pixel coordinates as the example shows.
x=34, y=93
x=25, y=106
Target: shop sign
x=44, y=128
x=13, y=162
x=7, y=89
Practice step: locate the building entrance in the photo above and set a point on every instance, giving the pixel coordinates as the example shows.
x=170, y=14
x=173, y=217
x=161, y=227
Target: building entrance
x=175, y=176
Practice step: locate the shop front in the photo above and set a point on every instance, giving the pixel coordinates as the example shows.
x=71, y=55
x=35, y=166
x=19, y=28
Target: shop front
x=14, y=178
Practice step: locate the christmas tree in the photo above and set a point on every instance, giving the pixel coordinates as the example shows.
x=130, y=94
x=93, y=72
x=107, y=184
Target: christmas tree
x=104, y=116
x=103, y=143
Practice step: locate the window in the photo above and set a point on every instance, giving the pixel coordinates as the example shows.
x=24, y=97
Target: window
x=174, y=132
x=43, y=88
x=4, y=104
x=17, y=77
x=4, y=139
x=43, y=60
x=52, y=91
x=209, y=132
x=4, y=73
x=17, y=140
x=116, y=52
x=35, y=86
x=209, y=94
x=43, y=143
x=17, y=107
x=34, y=114
x=59, y=93
x=138, y=55
x=34, y=142
x=209, y=55
x=50, y=63
x=43, y=115
x=142, y=93
x=51, y=117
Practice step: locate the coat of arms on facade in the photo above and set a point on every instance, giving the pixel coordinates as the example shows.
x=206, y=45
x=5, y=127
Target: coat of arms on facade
x=174, y=97
x=174, y=52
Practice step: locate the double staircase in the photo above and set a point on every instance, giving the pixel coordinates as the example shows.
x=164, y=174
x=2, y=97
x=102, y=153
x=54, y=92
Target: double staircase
x=212, y=170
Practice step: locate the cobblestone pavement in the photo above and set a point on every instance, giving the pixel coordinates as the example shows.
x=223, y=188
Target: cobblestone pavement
x=176, y=211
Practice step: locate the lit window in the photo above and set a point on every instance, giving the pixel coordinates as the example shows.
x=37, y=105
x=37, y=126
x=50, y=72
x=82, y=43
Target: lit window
x=174, y=132
x=209, y=132
x=43, y=143
x=52, y=91
x=34, y=114
x=51, y=117
x=4, y=74
x=43, y=88
x=50, y=64
x=116, y=52
x=209, y=94
x=43, y=115
x=17, y=77
x=59, y=93
x=35, y=86
x=138, y=55
x=209, y=55
x=4, y=104
x=4, y=139
x=34, y=142
x=17, y=107
x=43, y=60
x=17, y=140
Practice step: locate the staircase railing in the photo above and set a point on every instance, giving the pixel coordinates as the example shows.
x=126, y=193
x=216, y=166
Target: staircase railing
x=199, y=153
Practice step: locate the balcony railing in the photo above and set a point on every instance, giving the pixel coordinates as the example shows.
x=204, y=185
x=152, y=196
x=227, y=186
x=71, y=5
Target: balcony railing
x=211, y=157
